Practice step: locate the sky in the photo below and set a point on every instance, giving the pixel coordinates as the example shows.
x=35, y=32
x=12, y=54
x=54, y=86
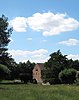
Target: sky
x=41, y=27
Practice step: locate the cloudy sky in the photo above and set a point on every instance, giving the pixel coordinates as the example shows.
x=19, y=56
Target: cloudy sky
x=42, y=27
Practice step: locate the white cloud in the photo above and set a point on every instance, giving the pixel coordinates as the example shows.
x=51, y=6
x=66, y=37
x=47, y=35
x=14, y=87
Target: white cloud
x=48, y=23
x=19, y=24
x=52, y=24
x=74, y=57
x=34, y=56
x=29, y=39
x=70, y=42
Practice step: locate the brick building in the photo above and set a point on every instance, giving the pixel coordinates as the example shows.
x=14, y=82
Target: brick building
x=37, y=72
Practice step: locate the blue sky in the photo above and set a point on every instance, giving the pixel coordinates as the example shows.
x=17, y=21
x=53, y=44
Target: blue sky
x=42, y=27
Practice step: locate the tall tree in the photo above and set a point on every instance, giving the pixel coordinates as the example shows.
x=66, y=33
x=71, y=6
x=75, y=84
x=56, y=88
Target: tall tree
x=55, y=64
x=5, y=33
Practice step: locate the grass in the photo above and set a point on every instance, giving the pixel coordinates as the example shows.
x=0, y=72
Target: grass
x=38, y=92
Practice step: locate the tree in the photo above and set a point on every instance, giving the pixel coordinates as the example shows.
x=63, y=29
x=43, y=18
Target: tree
x=75, y=64
x=5, y=33
x=4, y=71
x=12, y=65
x=68, y=76
x=55, y=64
x=24, y=71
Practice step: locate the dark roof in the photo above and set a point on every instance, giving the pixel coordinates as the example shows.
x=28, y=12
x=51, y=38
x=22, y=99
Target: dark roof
x=41, y=65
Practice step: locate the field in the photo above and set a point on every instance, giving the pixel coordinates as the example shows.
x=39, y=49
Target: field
x=38, y=92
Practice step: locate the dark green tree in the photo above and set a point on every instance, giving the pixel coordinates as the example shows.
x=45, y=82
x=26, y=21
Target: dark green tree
x=12, y=65
x=24, y=71
x=5, y=33
x=68, y=76
x=55, y=64
x=74, y=64
x=4, y=72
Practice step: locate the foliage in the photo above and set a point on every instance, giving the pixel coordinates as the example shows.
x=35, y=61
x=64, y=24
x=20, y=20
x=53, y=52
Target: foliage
x=77, y=75
x=68, y=76
x=5, y=32
x=77, y=78
x=25, y=77
x=73, y=64
x=4, y=71
x=24, y=71
x=55, y=64
x=12, y=65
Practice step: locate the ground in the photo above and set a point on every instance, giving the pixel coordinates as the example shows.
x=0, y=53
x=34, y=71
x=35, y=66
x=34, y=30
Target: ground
x=38, y=92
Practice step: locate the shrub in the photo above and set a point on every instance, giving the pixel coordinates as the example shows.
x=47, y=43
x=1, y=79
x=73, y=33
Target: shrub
x=68, y=76
x=4, y=71
x=24, y=77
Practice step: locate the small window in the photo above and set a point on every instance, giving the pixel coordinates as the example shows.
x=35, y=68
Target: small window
x=36, y=69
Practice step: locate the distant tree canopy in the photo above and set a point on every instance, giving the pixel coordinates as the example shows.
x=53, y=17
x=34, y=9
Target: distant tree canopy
x=24, y=71
x=55, y=65
x=73, y=64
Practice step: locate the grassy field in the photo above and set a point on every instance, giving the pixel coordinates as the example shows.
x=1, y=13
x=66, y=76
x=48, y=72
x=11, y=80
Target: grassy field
x=38, y=92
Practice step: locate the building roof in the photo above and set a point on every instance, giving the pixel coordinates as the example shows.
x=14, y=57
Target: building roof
x=41, y=65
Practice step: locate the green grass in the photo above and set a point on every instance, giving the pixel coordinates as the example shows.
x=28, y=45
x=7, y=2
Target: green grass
x=38, y=92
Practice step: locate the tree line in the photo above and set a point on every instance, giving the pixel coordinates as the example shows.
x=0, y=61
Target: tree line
x=9, y=69
x=58, y=69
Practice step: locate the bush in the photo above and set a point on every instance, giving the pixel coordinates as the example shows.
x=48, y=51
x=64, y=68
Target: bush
x=4, y=71
x=68, y=76
x=77, y=75
x=24, y=77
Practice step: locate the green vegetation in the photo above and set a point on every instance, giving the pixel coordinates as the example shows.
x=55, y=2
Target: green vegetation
x=24, y=71
x=4, y=71
x=68, y=76
x=55, y=65
x=38, y=92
